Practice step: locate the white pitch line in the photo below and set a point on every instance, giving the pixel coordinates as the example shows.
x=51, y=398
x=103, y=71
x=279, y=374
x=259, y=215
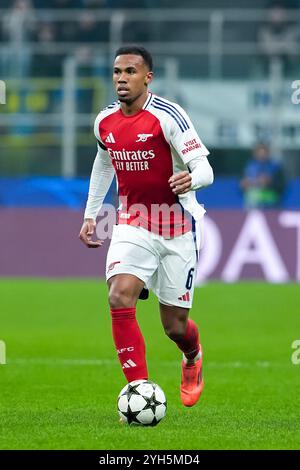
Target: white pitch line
x=48, y=361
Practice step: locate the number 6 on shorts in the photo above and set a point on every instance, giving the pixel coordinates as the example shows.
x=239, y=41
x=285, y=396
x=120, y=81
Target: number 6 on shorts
x=189, y=280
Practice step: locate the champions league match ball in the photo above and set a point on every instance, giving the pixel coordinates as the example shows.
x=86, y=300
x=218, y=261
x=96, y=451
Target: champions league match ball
x=142, y=403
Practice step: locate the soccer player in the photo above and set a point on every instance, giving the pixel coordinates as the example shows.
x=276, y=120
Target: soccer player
x=151, y=145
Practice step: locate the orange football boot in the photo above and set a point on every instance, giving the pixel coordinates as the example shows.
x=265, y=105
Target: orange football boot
x=192, y=382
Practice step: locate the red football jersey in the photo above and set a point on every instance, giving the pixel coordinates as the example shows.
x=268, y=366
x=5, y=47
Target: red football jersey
x=146, y=149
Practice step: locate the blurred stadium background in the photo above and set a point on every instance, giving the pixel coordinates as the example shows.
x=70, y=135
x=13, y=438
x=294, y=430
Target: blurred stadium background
x=216, y=59
x=55, y=59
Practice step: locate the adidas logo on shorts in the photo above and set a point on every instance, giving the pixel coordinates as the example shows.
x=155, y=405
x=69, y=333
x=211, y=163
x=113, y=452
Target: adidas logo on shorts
x=185, y=297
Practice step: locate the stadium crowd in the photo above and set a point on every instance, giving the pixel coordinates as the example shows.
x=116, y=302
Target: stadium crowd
x=24, y=24
x=34, y=43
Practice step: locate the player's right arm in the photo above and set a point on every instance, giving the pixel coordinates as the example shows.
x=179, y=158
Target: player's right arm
x=100, y=181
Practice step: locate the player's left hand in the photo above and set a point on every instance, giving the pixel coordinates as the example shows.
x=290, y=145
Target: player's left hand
x=180, y=183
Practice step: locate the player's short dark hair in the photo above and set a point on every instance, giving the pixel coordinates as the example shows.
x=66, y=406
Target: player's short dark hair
x=137, y=50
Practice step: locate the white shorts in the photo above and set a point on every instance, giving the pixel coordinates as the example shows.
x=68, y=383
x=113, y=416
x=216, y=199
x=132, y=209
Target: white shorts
x=167, y=266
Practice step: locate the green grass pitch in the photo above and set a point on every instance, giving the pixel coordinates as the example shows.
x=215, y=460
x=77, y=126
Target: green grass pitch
x=59, y=387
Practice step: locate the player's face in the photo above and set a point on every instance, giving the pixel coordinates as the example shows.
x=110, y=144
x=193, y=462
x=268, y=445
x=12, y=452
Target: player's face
x=131, y=77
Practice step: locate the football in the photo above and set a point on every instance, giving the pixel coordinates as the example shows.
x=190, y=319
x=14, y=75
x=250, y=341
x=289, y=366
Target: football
x=142, y=402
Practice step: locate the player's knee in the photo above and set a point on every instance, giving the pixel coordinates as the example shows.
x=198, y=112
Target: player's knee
x=121, y=298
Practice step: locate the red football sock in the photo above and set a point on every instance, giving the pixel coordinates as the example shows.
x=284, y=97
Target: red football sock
x=189, y=344
x=129, y=343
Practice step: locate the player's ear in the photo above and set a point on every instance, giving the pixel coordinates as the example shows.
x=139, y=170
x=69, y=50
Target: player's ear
x=149, y=78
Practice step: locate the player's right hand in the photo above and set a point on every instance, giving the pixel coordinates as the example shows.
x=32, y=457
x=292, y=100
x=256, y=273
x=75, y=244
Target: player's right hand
x=86, y=233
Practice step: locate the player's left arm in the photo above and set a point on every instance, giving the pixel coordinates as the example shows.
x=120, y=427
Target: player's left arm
x=200, y=175
x=187, y=143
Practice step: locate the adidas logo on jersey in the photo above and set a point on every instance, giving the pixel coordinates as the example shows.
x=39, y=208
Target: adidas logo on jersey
x=185, y=297
x=128, y=364
x=110, y=138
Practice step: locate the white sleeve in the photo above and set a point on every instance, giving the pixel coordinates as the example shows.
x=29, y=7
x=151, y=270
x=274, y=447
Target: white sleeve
x=201, y=172
x=184, y=137
x=101, y=179
x=96, y=130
